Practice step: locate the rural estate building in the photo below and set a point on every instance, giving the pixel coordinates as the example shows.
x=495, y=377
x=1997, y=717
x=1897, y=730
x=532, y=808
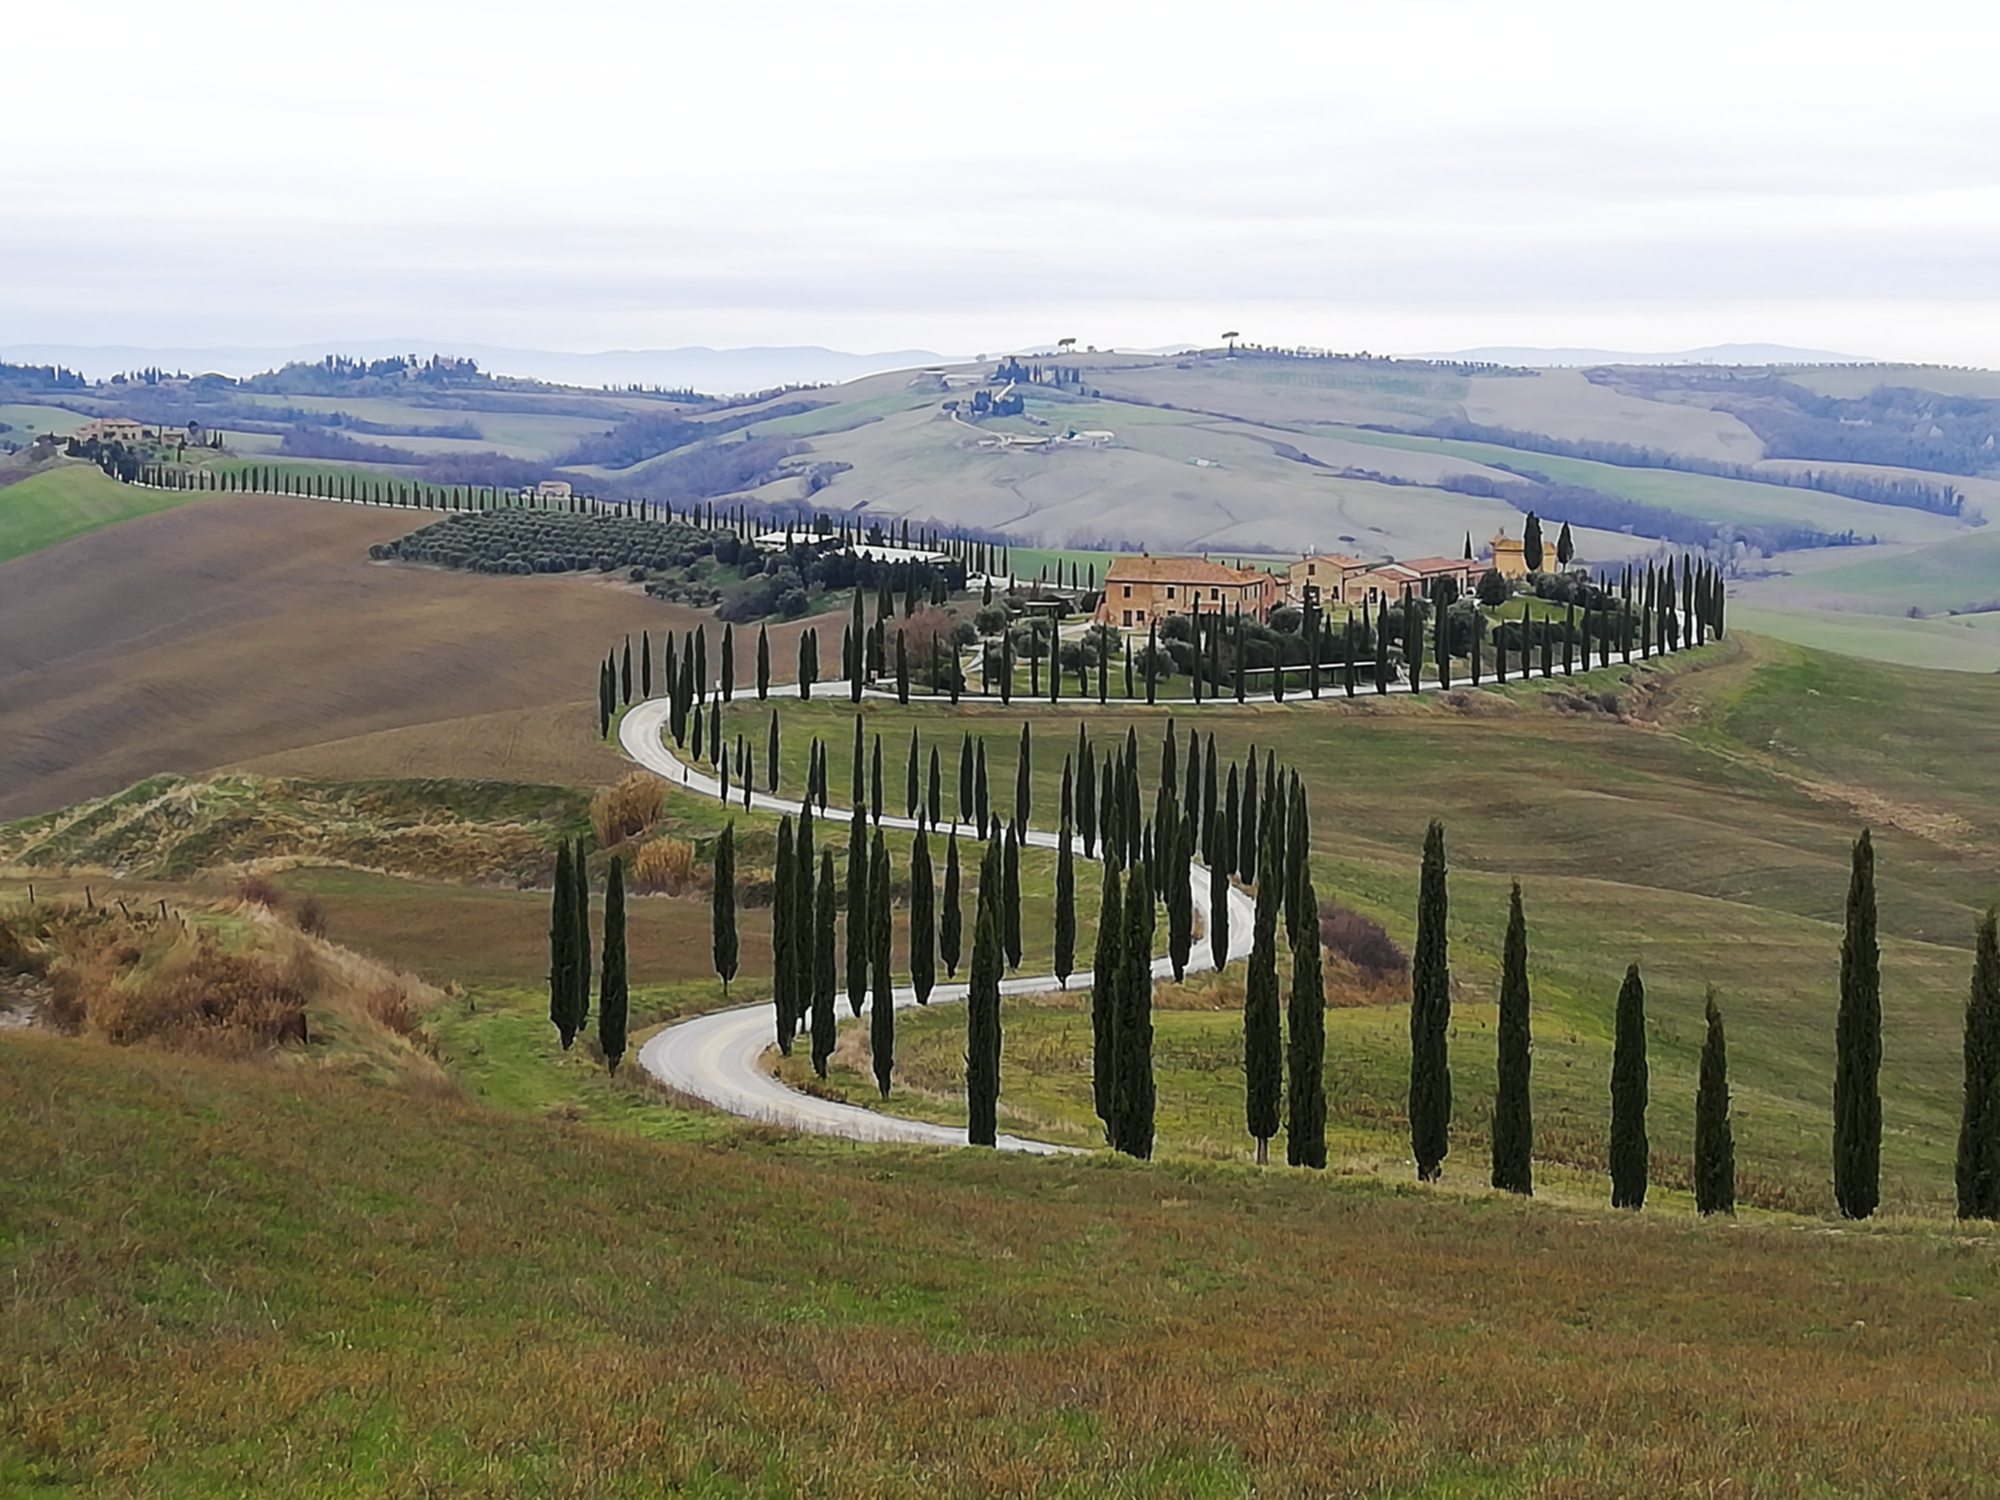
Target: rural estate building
x=1139, y=591
x=112, y=430
x=1328, y=572
x=1397, y=579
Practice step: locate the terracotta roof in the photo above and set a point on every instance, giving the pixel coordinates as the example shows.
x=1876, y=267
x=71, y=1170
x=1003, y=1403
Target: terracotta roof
x=1430, y=565
x=1198, y=571
x=1340, y=558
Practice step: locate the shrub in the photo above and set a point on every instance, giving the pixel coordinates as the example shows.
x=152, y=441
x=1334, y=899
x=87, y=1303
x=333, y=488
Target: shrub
x=1361, y=941
x=632, y=806
x=664, y=865
x=203, y=1001
x=311, y=917
x=258, y=891
x=390, y=1009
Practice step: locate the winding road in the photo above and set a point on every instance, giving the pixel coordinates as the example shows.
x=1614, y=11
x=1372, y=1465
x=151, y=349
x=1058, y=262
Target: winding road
x=718, y=1058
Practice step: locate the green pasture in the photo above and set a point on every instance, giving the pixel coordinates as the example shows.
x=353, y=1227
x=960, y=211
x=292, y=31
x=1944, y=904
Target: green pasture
x=29, y=420
x=1961, y=643
x=70, y=500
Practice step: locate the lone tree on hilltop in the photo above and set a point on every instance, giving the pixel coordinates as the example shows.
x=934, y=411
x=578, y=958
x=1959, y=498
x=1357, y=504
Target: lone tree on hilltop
x=1513, y=1107
x=613, y=999
x=1630, y=1153
x=722, y=906
x=1857, y=1088
x=1979, y=1125
x=1430, y=1017
x=1714, y=1141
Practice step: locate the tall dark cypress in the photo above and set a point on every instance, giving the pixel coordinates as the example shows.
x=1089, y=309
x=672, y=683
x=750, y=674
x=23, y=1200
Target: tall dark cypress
x=1065, y=914
x=1228, y=837
x=722, y=907
x=1305, y=1064
x=823, y=980
x=1513, y=1103
x=1209, y=803
x=1263, y=1039
x=562, y=941
x=965, y=779
x=806, y=664
x=614, y=999
x=857, y=908
x=1857, y=1086
x=771, y=748
x=763, y=664
x=645, y=664
x=1023, y=790
x=1132, y=1087
x=625, y=675
x=1978, y=1171
x=1106, y=970
x=935, y=802
x=805, y=861
x=1430, y=1017
x=875, y=802
x=1010, y=915
x=1218, y=917
x=950, y=915
x=882, y=1003
x=1299, y=907
x=1714, y=1141
x=1630, y=1153
x=923, y=920
x=783, y=974
x=981, y=802
x=982, y=1012
x=1179, y=863
x=902, y=670
x=1086, y=800
x=912, y=788
x=1250, y=830
x=581, y=968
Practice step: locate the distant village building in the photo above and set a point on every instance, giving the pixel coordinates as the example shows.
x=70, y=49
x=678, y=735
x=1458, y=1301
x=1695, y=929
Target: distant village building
x=1140, y=591
x=1397, y=580
x=1510, y=556
x=553, y=489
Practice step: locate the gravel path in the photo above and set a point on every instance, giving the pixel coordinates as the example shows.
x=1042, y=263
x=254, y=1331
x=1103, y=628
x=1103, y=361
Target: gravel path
x=718, y=1058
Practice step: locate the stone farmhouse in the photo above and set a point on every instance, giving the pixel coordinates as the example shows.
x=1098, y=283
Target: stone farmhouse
x=1141, y=591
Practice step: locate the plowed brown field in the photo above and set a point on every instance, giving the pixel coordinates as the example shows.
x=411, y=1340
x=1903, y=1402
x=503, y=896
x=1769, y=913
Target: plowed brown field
x=248, y=629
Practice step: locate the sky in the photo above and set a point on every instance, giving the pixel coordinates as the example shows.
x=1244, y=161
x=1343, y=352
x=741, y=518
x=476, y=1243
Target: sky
x=1393, y=175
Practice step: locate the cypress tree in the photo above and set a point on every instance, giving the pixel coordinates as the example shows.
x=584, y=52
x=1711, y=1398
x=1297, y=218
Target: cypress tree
x=1714, y=1142
x=579, y=950
x=701, y=664
x=965, y=779
x=763, y=664
x=1209, y=803
x=613, y=1000
x=875, y=779
x=1132, y=1091
x=912, y=789
x=982, y=1013
x=1305, y=1114
x=1248, y=831
x=1531, y=547
x=806, y=664
x=923, y=920
x=1978, y=1171
x=562, y=939
x=1106, y=968
x=951, y=911
x=783, y=1000
x=1228, y=837
x=1430, y=1017
x=882, y=1005
x=1180, y=900
x=1382, y=648
x=1010, y=915
x=1263, y=1041
x=902, y=671
x=823, y=967
x=626, y=675
x=771, y=755
x=1513, y=1106
x=857, y=908
x=980, y=802
x=804, y=863
x=1218, y=916
x=1629, y=1150
x=1066, y=800
x=1023, y=792
x=722, y=907
x=1065, y=915
x=1857, y=1095
x=645, y=664
x=1299, y=908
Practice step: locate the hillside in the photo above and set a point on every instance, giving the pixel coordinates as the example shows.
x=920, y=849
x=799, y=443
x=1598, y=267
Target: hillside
x=327, y=1289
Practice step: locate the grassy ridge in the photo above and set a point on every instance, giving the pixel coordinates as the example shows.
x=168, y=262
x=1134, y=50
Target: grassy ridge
x=68, y=501
x=332, y=1290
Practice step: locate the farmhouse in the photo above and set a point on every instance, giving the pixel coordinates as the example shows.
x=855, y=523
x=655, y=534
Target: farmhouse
x=1395, y=580
x=112, y=430
x=1139, y=591
x=1322, y=577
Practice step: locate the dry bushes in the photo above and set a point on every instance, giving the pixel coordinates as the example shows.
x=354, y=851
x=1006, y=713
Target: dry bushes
x=634, y=805
x=665, y=865
x=1361, y=941
x=201, y=999
x=390, y=1008
x=257, y=891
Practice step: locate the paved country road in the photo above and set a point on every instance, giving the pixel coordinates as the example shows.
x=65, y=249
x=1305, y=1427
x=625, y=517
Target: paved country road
x=718, y=1058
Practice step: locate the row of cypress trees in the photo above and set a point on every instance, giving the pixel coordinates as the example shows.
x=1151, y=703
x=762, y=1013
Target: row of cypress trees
x=569, y=954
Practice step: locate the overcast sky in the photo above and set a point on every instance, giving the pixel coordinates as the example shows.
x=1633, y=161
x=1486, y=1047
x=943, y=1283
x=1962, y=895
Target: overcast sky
x=1389, y=174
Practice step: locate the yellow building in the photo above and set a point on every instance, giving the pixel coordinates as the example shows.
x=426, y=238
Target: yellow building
x=1140, y=591
x=113, y=430
x=1328, y=572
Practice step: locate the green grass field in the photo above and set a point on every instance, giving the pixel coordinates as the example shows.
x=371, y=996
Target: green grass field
x=69, y=501
x=1963, y=643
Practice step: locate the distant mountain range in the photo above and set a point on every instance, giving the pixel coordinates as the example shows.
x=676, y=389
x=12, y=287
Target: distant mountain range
x=714, y=371
x=1717, y=354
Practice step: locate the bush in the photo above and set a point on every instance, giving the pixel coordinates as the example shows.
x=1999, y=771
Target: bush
x=1361, y=941
x=258, y=891
x=632, y=806
x=1493, y=588
x=390, y=1009
x=664, y=865
x=204, y=1001
x=311, y=917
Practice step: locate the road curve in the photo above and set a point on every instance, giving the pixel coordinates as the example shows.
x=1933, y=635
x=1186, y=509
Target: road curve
x=717, y=1058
